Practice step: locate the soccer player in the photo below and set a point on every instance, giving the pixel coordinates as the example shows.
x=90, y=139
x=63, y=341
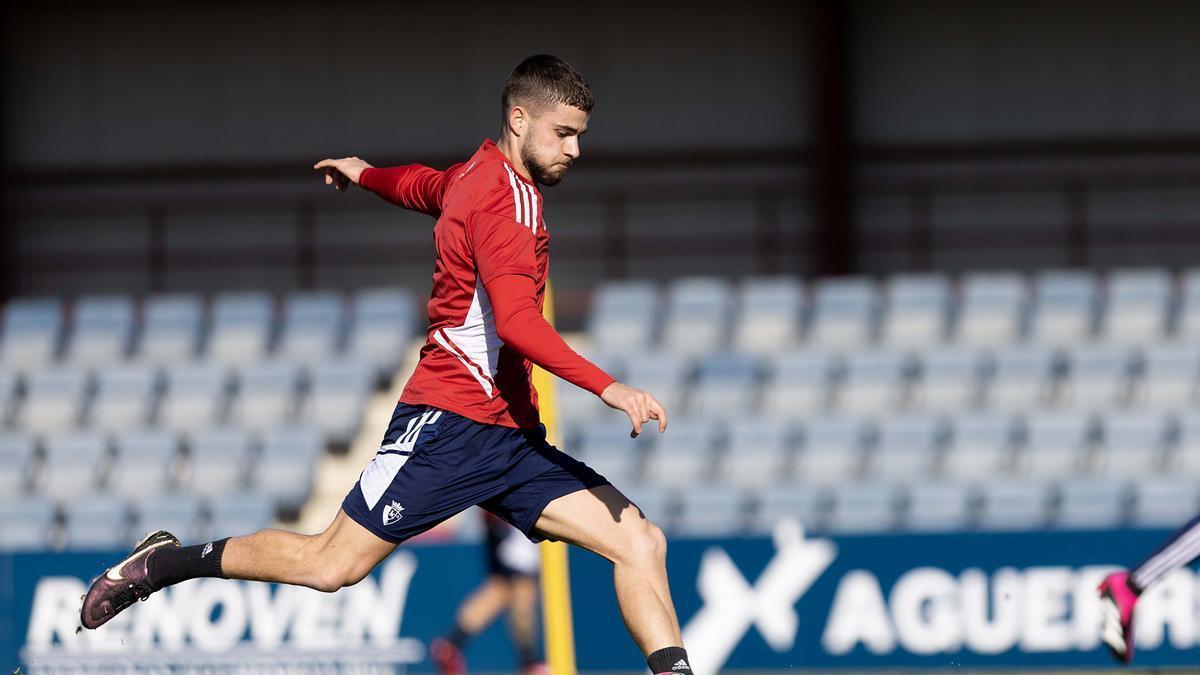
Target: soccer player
x=1119, y=591
x=466, y=430
x=511, y=584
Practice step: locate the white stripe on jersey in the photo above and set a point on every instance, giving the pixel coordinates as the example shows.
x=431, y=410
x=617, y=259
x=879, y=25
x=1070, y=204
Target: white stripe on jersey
x=525, y=201
x=512, y=180
x=533, y=210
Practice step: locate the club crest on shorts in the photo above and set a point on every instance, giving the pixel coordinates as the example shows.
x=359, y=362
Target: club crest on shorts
x=391, y=513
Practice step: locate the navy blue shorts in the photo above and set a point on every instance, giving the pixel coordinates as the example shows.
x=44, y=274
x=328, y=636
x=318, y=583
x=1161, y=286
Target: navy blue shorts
x=433, y=464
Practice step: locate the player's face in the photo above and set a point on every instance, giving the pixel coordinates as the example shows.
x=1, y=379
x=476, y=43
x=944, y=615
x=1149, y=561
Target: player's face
x=552, y=142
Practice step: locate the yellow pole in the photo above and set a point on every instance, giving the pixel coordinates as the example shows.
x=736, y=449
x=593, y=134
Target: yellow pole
x=556, y=578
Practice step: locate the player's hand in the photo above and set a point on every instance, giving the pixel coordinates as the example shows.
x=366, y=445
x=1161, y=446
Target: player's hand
x=639, y=405
x=340, y=173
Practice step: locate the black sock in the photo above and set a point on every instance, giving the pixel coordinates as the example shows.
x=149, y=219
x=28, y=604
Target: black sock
x=458, y=637
x=669, y=660
x=171, y=565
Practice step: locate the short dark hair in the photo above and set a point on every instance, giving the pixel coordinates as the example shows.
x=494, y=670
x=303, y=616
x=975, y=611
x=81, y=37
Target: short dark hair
x=542, y=80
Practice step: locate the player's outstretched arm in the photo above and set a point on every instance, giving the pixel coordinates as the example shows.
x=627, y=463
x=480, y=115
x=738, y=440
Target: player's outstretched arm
x=341, y=172
x=640, y=405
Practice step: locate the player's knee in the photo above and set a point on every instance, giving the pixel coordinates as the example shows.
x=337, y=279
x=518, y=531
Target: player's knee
x=335, y=577
x=647, y=545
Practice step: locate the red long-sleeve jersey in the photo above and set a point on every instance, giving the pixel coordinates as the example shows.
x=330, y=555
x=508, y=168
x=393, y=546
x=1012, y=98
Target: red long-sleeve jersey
x=489, y=282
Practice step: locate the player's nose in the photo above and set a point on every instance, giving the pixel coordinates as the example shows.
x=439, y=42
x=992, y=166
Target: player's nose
x=571, y=148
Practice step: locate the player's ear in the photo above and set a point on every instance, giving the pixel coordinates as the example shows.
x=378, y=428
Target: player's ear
x=518, y=120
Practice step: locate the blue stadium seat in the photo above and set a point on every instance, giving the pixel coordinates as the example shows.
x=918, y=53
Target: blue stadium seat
x=864, y=507
x=383, y=323
x=240, y=513
x=144, y=464
x=768, y=319
x=759, y=451
x=101, y=330
x=1137, y=308
x=32, y=331
x=172, y=327
x=1015, y=505
x=699, y=314
x=242, y=326
x=75, y=465
x=218, y=461
x=949, y=379
x=1092, y=504
x=313, y=327
x=684, y=456
x=726, y=386
x=663, y=374
x=99, y=523
x=124, y=399
x=917, y=307
x=1170, y=372
x=26, y=524
x=606, y=447
x=1133, y=444
x=195, y=399
x=875, y=381
x=287, y=465
x=337, y=398
x=1186, y=460
x=832, y=449
x=844, y=313
x=1064, y=308
x=1187, y=321
x=938, y=507
x=659, y=506
x=799, y=383
x=802, y=503
x=267, y=395
x=1056, y=445
x=981, y=447
x=18, y=452
x=992, y=310
x=54, y=400
x=906, y=449
x=712, y=511
x=624, y=315
x=1165, y=502
x=9, y=395
x=1022, y=378
x=180, y=515
x=1099, y=376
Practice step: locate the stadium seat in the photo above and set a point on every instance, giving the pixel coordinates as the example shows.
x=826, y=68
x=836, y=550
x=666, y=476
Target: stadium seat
x=663, y=374
x=726, y=386
x=54, y=400
x=992, y=309
x=1186, y=459
x=9, y=394
x=287, y=466
x=180, y=515
x=832, y=449
x=863, y=507
x=312, y=329
x=1092, y=504
x=17, y=456
x=242, y=326
x=624, y=315
x=712, y=511
x=124, y=399
x=1165, y=503
x=100, y=523
x=1137, y=306
x=758, y=452
x=26, y=524
x=802, y=503
x=1022, y=378
x=337, y=396
x=1016, y=505
x=906, y=448
x=875, y=381
x=218, y=461
x=267, y=395
x=1098, y=377
x=799, y=383
x=74, y=466
x=1132, y=444
x=1187, y=321
x=699, y=312
x=948, y=379
x=144, y=464
x=1056, y=445
x=240, y=513
x=686, y=456
x=938, y=507
x=606, y=447
x=101, y=331
x=656, y=504
x=1064, y=308
x=917, y=307
x=172, y=327
x=844, y=312
x=195, y=398
x=768, y=319
x=381, y=328
x=981, y=447
x=1170, y=372
x=32, y=330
